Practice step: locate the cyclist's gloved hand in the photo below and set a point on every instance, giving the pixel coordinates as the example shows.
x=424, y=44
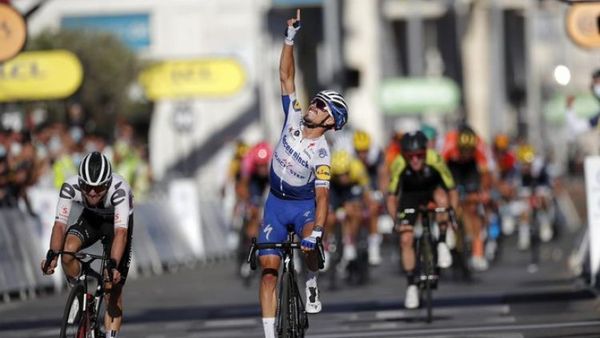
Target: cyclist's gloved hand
x=111, y=268
x=309, y=243
x=48, y=268
x=292, y=28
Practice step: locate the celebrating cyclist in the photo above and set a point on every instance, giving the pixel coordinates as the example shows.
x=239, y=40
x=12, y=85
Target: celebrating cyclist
x=107, y=203
x=419, y=177
x=373, y=160
x=300, y=173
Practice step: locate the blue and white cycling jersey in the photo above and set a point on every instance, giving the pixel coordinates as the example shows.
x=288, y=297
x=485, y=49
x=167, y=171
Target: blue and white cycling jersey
x=299, y=165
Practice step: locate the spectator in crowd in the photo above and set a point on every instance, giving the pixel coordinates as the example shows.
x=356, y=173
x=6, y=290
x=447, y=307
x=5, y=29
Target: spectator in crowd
x=579, y=125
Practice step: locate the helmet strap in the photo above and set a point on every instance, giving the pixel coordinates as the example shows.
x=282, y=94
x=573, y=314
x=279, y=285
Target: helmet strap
x=321, y=124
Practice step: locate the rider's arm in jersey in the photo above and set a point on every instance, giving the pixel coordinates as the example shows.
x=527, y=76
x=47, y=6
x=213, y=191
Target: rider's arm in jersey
x=450, y=150
x=67, y=194
x=435, y=160
x=121, y=200
x=394, y=187
x=287, y=68
x=485, y=164
x=322, y=178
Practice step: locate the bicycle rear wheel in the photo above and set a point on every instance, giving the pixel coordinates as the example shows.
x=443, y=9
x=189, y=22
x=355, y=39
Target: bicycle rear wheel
x=75, y=322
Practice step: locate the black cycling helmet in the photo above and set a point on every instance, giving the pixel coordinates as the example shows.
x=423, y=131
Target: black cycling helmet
x=94, y=171
x=467, y=139
x=415, y=141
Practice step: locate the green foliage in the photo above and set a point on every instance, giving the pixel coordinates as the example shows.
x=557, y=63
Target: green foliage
x=109, y=68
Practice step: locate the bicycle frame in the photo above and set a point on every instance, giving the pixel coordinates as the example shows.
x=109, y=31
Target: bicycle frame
x=289, y=293
x=426, y=252
x=91, y=311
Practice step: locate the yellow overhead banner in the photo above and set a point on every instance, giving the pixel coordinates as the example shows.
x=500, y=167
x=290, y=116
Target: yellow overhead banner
x=43, y=75
x=193, y=78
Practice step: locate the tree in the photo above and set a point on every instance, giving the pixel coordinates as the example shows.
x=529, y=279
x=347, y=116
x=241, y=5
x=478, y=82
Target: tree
x=109, y=68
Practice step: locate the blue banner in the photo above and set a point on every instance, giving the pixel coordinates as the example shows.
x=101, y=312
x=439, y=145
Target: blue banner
x=132, y=29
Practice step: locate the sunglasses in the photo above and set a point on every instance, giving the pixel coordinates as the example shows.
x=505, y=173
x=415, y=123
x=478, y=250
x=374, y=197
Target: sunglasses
x=85, y=188
x=320, y=104
x=417, y=154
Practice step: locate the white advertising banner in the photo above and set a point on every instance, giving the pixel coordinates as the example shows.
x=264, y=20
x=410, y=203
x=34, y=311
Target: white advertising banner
x=183, y=197
x=592, y=191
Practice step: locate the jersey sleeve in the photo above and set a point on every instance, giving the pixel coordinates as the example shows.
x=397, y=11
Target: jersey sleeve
x=436, y=161
x=449, y=149
x=322, y=167
x=290, y=103
x=67, y=194
x=121, y=199
x=483, y=157
x=396, y=170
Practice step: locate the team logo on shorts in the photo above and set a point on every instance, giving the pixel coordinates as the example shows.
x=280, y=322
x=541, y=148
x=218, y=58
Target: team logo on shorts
x=267, y=231
x=323, y=173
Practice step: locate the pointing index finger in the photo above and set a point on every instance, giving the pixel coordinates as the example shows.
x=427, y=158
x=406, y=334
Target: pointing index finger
x=298, y=14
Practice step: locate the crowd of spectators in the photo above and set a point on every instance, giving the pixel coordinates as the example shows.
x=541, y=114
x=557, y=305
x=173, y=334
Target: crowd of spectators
x=42, y=154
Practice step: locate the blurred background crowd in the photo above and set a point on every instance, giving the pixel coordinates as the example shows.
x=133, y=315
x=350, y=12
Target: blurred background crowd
x=41, y=153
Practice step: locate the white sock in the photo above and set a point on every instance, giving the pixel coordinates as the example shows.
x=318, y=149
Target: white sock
x=311, y=276
x=374, y=239
x=269, y=326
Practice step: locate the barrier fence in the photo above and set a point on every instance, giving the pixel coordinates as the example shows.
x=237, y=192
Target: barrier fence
x=165, y=235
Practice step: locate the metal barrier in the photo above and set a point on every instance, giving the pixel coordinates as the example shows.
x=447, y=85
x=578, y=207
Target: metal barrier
x=165, y=235
x=20, y=254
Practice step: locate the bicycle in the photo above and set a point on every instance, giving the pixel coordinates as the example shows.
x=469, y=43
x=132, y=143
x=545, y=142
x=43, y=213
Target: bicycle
x=83, y=316
x=292, y=319
x=426, y=269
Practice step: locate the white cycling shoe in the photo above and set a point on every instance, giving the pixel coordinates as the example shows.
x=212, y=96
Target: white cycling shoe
x=411, y=301
x=444, y=257
x=313, y=304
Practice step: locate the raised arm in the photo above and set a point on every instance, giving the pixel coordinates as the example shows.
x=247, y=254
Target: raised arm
x=287, y=68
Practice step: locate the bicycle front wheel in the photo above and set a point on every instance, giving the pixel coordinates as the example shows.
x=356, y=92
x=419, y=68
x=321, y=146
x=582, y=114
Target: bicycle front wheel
x=75, y=322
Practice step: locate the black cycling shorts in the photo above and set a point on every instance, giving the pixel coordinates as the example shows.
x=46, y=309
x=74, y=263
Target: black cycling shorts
x=340, y=195
x=466, y=175
x=91, y=228
x=412, y=200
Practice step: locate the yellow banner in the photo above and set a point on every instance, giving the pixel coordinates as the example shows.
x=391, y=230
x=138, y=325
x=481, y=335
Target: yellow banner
x=193, y=78
x=43, y=75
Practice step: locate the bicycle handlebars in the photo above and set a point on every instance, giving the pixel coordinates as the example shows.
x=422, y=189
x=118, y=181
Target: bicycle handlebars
x=285, y=246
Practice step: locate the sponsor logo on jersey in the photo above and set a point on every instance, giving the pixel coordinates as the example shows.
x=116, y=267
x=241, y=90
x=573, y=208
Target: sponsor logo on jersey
x=297, y=105
x=67, y=191
x=323, y=173
x=295, y=155
x=118, y=197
